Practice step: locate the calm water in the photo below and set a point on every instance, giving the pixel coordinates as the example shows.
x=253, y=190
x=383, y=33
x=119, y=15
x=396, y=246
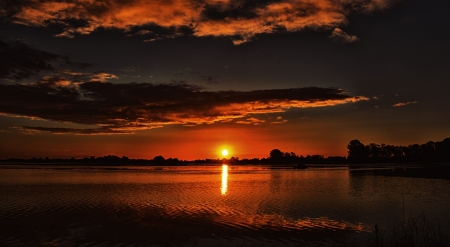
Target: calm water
x=204, y=206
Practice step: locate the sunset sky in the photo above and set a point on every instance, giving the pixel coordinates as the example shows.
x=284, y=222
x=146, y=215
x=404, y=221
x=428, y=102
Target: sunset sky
x=188, y=78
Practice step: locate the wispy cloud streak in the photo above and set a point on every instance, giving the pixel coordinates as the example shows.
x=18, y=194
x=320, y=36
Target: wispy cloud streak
x=404, y=103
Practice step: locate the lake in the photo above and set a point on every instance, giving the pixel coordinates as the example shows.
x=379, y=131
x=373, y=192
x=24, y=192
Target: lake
x=211, y=205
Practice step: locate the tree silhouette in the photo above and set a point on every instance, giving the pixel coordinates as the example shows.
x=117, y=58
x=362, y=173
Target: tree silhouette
x=159, y=158
x=357, y=152
x=276, y=156
x=430, y=152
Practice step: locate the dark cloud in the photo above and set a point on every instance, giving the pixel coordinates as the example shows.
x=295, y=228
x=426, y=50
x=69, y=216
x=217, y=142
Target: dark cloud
x=342, y=37
x=19, y=61
x=9, y=8
x=186, y=71
x=232, y=10
x=141, y=32
x=68, y=96
x=98, y=131
x=210, y=79
x=123, y=108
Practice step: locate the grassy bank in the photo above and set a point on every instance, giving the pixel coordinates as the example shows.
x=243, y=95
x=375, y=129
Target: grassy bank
x=412, y=232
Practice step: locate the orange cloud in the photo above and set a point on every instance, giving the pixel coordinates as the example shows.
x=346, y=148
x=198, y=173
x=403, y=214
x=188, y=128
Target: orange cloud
x=340, y=36
x=251, y=120
x=103, y=77
x=280, y=120
x=124, y=108
x=404, y=103
x=276, y=105
x=239, y=19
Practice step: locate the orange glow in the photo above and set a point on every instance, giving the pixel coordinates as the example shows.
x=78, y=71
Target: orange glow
x=208, y=141
x=199, y=142
x=224, y=150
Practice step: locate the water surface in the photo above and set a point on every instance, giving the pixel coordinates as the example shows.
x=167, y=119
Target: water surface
x=205, y=205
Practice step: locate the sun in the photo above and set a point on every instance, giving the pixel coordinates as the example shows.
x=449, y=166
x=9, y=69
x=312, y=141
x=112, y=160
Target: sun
x=224, y=152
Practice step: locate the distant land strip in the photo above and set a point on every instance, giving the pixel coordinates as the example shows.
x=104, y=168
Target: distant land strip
x=358, y=153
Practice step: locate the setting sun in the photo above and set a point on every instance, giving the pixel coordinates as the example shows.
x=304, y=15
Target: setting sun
x=224, y=152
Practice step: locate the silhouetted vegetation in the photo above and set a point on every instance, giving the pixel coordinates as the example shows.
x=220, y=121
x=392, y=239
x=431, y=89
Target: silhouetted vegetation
x=276, y=158
x=105, y=160
x=430, y=152
x=411, y=232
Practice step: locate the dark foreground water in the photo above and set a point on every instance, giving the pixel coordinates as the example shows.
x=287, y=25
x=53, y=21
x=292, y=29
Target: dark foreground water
x=210, y=206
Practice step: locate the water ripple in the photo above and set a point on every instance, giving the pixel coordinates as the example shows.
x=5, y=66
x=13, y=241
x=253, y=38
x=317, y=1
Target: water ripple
x=158, y=207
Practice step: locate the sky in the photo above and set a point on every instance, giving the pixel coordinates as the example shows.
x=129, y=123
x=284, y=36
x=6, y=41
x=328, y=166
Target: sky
x=188, y=78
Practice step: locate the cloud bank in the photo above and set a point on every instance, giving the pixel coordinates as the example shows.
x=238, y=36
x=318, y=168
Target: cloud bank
x=64, y=95
x=124, y=108
x=19, y=61
x=240, y=20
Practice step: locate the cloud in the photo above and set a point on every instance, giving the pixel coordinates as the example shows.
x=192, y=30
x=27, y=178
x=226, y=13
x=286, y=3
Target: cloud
x=404, y=103
x=279, y=120
x=92, y=131
x=140, y=32
x=210, y=79
x=240, y=20
x=65, y=95
x=98, y=131
x=102, y=77
x=342, y=37
x=186, y=71
x=251, y=120
x=243, y=122
x=19, y=61
x=124, y=108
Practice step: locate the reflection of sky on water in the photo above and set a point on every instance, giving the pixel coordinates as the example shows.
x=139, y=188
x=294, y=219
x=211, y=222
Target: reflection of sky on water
x=259, y=203
x=388, y=195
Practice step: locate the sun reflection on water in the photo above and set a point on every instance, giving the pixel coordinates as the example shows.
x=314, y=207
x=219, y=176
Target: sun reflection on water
x=224, y=186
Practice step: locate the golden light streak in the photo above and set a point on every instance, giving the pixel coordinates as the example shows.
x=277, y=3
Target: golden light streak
x=224, y=186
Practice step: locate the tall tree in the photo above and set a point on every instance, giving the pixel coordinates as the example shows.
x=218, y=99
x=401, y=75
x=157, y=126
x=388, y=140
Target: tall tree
x=276, y=156
x=357, y=152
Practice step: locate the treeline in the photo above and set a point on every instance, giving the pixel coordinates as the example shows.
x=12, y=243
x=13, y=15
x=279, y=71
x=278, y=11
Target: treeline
x=430, y=152
x=105, y=160
x=276, y=158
